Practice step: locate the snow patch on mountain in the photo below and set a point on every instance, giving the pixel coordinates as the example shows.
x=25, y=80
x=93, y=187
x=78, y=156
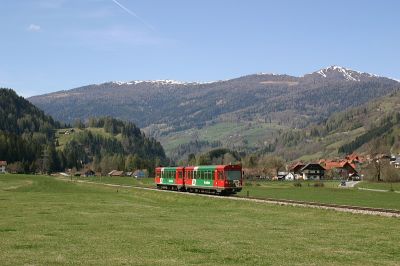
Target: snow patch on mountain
x=348, y=74
x=158, y=82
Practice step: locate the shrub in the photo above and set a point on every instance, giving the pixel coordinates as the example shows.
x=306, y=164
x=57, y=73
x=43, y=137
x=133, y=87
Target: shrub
x=319, y=184
x=297, y=184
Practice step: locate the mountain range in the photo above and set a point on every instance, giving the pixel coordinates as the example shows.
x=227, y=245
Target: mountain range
x=246, y=113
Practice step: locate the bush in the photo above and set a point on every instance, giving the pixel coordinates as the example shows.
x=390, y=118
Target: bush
x=297, y=184
x=319, y=184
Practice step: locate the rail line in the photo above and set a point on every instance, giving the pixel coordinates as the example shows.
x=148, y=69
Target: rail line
x=308, y=204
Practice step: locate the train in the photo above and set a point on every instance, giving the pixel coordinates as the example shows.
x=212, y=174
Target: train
x=212, y=179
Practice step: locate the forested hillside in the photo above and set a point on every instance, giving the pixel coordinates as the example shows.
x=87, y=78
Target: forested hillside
x=25, y=131
x=105, y=144
x=30, y=141
x=371, y=128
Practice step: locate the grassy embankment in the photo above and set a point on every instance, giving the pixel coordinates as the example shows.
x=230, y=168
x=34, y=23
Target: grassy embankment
x=47, y=221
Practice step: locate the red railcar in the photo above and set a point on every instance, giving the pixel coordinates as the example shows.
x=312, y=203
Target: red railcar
x=219, y=179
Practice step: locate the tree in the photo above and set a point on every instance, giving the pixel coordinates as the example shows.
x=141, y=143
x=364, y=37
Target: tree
x=273, y=163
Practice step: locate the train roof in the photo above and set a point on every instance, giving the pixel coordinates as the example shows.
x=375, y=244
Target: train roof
x=201, y=167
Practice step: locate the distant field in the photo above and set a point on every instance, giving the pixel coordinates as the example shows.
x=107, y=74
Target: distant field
x=330, y=193
x=379, y=185
x=46, y=221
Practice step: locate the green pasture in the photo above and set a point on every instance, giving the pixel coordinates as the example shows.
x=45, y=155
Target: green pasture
x=379, y=185
x=330, y=193
x=46, y=221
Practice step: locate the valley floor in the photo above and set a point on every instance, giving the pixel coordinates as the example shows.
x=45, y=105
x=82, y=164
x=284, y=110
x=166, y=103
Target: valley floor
x=47, y=221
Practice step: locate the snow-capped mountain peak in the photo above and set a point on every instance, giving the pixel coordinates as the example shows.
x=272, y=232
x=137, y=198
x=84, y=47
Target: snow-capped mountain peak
x=338, y=72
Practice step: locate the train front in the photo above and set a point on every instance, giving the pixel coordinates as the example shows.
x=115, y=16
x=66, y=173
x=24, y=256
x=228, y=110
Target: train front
x=233, y=178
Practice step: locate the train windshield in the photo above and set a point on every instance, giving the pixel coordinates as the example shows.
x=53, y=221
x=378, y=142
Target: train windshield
x=233, y=175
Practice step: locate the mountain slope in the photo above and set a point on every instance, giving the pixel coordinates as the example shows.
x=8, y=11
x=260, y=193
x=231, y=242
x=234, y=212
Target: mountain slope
x=371, y=128
x=170, y=109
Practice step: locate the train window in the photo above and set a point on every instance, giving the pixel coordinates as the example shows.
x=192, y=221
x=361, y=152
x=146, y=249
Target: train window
x=180, y=174
x=208, y=173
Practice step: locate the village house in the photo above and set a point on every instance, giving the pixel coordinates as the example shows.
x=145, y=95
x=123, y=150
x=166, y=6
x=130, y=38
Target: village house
x=341, y=169
x=290, y=177
x=295, y=170
x=313, y=171
x=3, y=167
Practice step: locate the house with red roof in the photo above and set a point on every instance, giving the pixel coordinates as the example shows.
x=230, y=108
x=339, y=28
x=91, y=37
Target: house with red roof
x=341, y=168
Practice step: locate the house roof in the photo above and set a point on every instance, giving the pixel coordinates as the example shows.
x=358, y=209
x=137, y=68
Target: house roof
x=3, y=163
x=296, y=166
x=338, y=164
x=116, y=173
x=312, y=165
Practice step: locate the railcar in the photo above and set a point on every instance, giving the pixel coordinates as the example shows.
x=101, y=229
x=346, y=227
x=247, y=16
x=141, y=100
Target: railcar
x=217, y=179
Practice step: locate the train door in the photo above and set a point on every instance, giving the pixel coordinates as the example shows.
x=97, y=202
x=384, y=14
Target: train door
x=220, y=178
x=179, y=177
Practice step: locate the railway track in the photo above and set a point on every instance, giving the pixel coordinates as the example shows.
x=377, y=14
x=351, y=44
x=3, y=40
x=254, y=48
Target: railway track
x=308, y=204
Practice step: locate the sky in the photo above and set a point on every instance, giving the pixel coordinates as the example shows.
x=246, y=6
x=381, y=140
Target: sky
x=52, y=45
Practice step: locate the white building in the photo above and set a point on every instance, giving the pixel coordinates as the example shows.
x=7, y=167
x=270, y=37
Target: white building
x=3, y=166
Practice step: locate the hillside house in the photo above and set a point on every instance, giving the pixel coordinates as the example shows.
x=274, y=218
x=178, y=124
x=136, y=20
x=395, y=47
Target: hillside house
x=313, y=171
x=3, y=167
x=355, y=159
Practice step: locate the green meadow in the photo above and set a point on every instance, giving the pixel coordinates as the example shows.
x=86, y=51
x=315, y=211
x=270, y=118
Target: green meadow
x=330, y=193
x=46, y=221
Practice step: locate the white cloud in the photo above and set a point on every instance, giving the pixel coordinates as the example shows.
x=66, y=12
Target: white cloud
x=33, y=28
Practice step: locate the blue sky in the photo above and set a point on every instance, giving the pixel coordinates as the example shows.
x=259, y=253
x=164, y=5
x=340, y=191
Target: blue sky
x=50, y=45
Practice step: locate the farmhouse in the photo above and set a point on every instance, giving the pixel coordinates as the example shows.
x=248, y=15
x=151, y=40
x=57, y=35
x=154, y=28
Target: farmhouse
x=313, y=171
x=3, y=166
x=340, y=169
x=295, y=168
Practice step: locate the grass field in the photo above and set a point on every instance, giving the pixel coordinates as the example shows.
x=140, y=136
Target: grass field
x=47, y=221
x=379, y=185
x=330, y=193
